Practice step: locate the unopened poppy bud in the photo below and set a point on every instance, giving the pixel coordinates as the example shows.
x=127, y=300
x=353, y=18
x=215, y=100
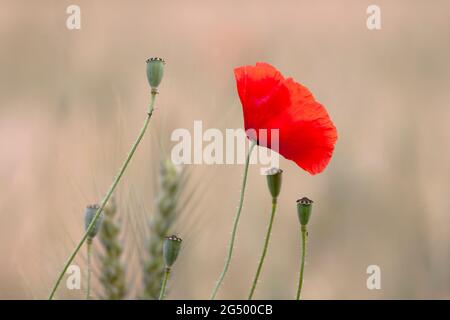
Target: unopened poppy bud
x=304, y=207
x=274, y=178
x=171, y=248
x=89, y=215
x=155, y=72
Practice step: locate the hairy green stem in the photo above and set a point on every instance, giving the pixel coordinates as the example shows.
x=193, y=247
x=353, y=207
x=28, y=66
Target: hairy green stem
x=235, y=224
x=108, y=195
x=89, y=251
x=264, y=252
x=164, y=284
x=302, y=265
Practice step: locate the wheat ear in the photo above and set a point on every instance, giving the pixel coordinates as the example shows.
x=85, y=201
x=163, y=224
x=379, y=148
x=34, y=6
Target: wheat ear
x=170, y=181
x=112, y=275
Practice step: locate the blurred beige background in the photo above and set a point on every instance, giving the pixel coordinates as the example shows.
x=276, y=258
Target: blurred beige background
x=71, y=102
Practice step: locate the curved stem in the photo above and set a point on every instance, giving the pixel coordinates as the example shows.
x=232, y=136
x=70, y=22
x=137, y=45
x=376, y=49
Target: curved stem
x=235, y=224
x=162, y=293
x=108, y=195
x=264, y=252
x=302, y=265
x=89, y=250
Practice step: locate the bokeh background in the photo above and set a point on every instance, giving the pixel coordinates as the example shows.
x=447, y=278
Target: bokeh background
x=72, y=101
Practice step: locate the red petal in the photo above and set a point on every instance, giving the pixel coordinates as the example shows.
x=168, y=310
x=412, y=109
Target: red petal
x=307, y=134
x=262, y=93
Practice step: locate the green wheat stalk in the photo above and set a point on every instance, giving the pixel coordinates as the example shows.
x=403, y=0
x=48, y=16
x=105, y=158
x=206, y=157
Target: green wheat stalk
x=161, y=222
x=112, y=276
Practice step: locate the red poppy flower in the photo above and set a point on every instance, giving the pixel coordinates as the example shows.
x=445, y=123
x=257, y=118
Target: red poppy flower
x=269, y=101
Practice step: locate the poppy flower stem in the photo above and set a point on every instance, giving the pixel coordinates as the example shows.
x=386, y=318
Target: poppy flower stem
x=89, y=252
x=302, y=265
x=264, y=252
x=235, y=223
x=108, y=195
x=164, y=284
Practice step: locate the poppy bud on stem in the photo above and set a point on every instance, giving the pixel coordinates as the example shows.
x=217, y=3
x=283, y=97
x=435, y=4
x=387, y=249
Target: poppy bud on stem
x=274, y=178
x=155, y=70
x=89, y=215
x=304, y=207
x=171, y=249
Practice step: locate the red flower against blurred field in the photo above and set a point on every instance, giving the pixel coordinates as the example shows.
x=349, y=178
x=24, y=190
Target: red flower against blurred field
x=269, y=101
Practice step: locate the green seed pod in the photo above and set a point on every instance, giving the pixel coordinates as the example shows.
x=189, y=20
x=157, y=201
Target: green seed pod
x=155, y=72
x=274, y=178
x=171, y=248
x=89, y=215
x=304, y=207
